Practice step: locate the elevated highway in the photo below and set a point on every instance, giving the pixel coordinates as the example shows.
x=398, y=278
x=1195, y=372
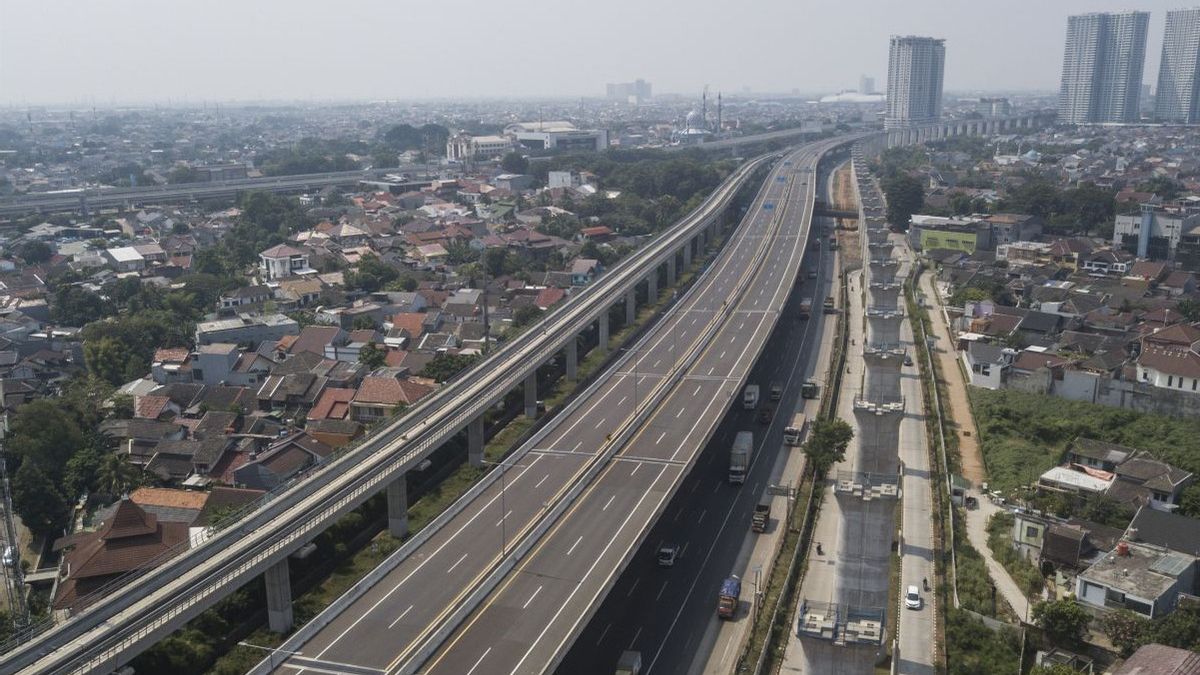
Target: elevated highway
x=538, y=608
x=156, y=602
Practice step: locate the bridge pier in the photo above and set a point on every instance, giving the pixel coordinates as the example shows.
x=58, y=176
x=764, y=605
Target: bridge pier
x=572, y=358
x=397, y=506
x=279, y=597
x=630, y=306
x=671, y=270
x=652, y=286
x=475, y=441
x=687, y=254
x=531, y=395
x=602, y=330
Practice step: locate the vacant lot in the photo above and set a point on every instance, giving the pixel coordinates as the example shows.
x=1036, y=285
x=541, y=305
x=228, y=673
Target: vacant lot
x=1022, y=435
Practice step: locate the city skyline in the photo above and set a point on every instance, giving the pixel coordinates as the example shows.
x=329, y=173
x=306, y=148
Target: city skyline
x=273, y=51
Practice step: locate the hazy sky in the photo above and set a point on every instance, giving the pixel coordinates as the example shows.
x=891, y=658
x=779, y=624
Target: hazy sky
x=103, y=51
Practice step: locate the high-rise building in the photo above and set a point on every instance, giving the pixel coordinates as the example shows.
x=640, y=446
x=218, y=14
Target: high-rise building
x=637, y=91
x=1179, y=71
x=866, y=85
x=914, y=84
x=1102, y=67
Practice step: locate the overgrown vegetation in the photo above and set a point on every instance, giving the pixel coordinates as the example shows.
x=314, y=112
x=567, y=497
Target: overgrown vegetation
x=1026, y=575
x=975, y=649
x=1022, y=436
x=1128, y=630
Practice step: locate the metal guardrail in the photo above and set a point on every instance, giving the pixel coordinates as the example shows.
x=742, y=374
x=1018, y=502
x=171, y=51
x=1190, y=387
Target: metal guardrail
x=315, y=510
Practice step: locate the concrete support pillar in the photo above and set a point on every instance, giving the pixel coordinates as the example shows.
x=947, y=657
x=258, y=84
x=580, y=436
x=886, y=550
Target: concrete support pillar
x=687, y=254
x=602, y=329
x=397, y=506
x=531, y=395
x=671, y=271
x=652, y=286
x=475, y=441
x=572, y=358
x=279, y=597
x=630, y=306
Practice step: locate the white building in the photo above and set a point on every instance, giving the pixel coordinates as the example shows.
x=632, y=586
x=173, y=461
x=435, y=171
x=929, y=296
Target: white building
x=1102, y=68
x=1154, y=233
x=1179, y=69
x=914, y=86
x=557, y=135
x=283, y=261
x=465, y=147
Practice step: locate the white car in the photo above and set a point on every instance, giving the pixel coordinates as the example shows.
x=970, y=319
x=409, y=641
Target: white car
x=667, y=554
x=10, y=555
x=912, y=598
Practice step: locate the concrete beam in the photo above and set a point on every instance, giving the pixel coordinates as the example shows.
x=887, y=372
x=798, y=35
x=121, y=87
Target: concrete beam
x=475, y=441
x=531, y=395
x=279, y=597
x=572, y=358
x=397, y=506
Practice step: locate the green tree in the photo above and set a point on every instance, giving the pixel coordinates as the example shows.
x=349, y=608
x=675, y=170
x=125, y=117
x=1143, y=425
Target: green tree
x=445, y=366
x=1164, y=187
x=526, y=315
x=42, y=432
x=35, y=252
x=363, y=323
x=39, y=502
x=108, y=359
x=496, y=261
x=1125, y=629
x=370, y=275
x=80, y=473
x=75, y=306
x=827, y=443
x=1053, y=669
x=405, y=283
x=1064, y=621
x=115, y=476
x=905, y=196
x=514, y=162
x=372, y=356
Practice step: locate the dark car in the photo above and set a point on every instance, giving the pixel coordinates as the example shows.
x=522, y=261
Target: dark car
x=764, y=415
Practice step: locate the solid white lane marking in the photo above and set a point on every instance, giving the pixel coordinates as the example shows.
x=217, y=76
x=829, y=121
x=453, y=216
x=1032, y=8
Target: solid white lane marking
x=402, y=615
x=572, y=549
x=481, y=658
x=464, y=557
x=535, y=594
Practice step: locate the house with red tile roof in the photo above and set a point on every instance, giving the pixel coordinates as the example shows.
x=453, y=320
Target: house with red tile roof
x=333, y=404
x=548, y=297
x=379, y=396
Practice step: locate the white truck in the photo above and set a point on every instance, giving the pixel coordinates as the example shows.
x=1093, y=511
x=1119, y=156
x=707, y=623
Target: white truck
x=739, y=456
x=630, y=663
x=750, y=397
x=793, y=431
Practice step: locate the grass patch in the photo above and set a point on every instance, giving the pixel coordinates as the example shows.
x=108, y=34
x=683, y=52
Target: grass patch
x=1022, y=435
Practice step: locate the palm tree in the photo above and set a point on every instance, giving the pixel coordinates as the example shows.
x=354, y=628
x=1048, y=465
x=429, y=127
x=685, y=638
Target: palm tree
x=115, y=476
